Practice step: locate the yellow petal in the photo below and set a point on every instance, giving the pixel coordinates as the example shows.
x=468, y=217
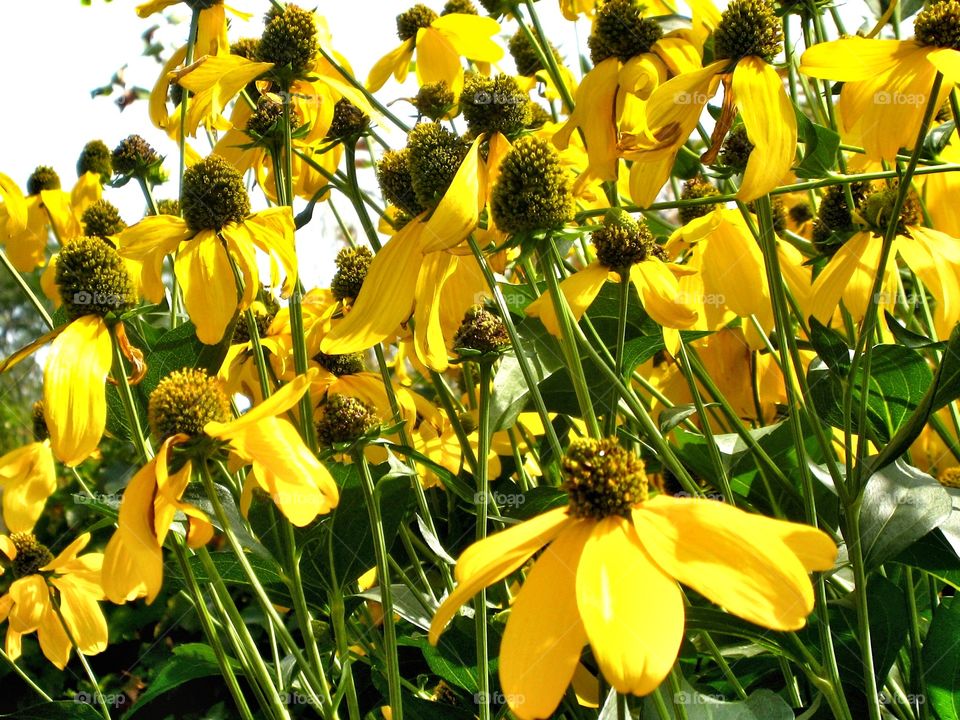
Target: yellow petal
x=83, y=616
x=86, y=192
x=30, y=601
x=386, y=298
x=635, y=644
x=209, y=289
x=947, y=61
x=459, y=209
x=661, y=295
x=848, y=275
x=54, y=642
x=158, y=96
x=647, y=178
x=60, y=211
x=75, y=403
x=544, y=635
x=215, y=80
x=14, y=205
x=735, y=562
x=851, y=58
x=145, y=10
x=133, y=560
x=272, y=230
x=580, y=290
x=493, y=558
x=470, y=35
x=437, y=59
x=770, y=123
x=28, y=476
x=149, y=242
x=66, y=557
x=277, y=404
x=396, y=61
x=428, y=338
x=594, y=114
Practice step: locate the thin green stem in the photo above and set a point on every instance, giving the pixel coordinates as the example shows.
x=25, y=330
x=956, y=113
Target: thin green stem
x=482, y=499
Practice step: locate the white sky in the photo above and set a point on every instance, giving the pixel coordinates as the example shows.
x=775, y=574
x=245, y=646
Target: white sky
x=54, y=52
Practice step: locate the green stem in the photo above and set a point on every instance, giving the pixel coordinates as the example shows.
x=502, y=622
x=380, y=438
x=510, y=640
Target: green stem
x=337, y=615
x=482, y=499
x=129, y=406
x=383, y=578
x=567, y=343
x=25, y=289
x=26, y=678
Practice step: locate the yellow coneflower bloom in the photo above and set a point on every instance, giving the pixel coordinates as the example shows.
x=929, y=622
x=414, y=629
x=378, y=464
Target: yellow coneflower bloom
x=887, y=83
x=849, y=275
x=746, y=40
x=609, y=577
x=216, y=231
x=439, y=43
x=631, y=58
x=25, y=221
x=41, y=579
x=74, y=394
x=28, y=477
x=625, y=251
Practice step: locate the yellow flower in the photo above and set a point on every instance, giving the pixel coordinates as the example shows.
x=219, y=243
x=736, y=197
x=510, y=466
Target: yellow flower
x=72, y=582
x=209, y=239
x=28, y=477
x=746, y=39
x=887, y=83
x=282, y=466
x=439, y=42
x=625, y=250
x=74, y=393
x=609, y=577
x=133, y=560
x=420, y=270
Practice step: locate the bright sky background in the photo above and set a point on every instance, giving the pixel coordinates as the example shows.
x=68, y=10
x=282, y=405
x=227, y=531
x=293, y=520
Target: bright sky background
x=54, y=52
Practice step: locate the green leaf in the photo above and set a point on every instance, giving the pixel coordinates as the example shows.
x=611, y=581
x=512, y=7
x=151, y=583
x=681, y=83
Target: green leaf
x=948, y=374
x=900, y=506
x=830, y=347
x=455, y=657
x=760, y=705
x=190, y=662
x=671, y=417
x=899, y=378
x=820, y=148
x=941, y=661
x=934, y=555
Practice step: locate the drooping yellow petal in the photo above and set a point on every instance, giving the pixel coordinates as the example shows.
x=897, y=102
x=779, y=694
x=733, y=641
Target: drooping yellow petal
x=86, y=192
x=493, y=558
x=544, y=635
x=75, y=403
x=133, y=560
x=635, y=646
x=82, y=615
x=458, y=211
x=437, y=60
x=594, y=114
x=60, y=211
x=145, y=10
x=67, y=557
x=241, y=250
x=215, y=80
x=848, y=275
x=272, y=230
x=209, y=289
x=14, y=204
x=470, y=35
x=212, y=31
x=54, y=642
x=770, y=123
x=580, y=290
x=158, y=95
x=932, y=256
x=737, y=564
x=647, y=179
x=149, y=242
x=852, y=58
x=661, y=296
x=30, y=601
x=397, y=62
x=386, y=298
x=428, y=337
x=277, y=404
x=28, y=477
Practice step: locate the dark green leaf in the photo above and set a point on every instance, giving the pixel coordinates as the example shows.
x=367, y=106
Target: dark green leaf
x=941, y=661
x=830, y=347
x=78, y=709
x=820, y=148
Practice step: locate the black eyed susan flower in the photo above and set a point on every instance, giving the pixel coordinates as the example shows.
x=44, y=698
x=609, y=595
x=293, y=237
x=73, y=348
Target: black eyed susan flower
x=39, y=580
x=609, y=577
x=439, y=41
x=887, y=83
x=217, y=229
x=746, y=40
